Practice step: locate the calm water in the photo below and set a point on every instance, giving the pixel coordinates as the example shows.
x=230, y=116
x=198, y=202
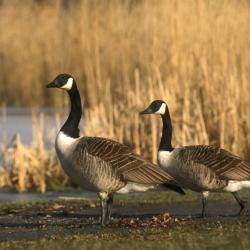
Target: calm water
x=19, y=120
x=12, y=197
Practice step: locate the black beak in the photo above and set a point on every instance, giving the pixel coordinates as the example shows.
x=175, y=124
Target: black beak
x=51, y=85
x=147, y=111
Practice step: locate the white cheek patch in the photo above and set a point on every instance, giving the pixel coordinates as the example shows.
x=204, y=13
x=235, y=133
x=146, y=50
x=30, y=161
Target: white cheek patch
x=162, y=109
x=68, y=85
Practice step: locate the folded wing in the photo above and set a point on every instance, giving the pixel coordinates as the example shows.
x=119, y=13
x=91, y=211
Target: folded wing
x=226, y=165
x=119, y=157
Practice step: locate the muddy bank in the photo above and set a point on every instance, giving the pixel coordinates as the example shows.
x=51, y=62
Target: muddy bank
x=60, y=219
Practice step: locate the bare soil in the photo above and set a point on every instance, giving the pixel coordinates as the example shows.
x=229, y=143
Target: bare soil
x=35, y=221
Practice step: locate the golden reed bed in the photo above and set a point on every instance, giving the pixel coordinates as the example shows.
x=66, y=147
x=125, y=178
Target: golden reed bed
x=193, y=54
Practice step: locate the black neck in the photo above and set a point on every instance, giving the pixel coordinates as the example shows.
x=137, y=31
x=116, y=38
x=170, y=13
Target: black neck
x=70, y=127
x=166, y=138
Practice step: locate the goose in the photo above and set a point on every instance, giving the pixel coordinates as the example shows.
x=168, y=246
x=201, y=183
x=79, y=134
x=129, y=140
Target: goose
x=98, y=164
x=200, y=168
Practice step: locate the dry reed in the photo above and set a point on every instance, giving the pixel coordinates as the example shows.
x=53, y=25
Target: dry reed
x=193, y=54
x=33, y=166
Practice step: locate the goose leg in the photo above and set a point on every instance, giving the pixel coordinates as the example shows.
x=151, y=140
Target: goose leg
x=109, y=206
x=103, y=211
x=103, y=197
x=241, y=203
x=204, y=203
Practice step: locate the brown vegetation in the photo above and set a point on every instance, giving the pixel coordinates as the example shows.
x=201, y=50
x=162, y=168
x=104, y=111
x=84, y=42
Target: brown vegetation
x=33, y=166
x=123, y=54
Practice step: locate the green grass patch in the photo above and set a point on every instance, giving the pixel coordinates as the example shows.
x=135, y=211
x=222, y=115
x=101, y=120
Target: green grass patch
x=133, y=199
x=189, y=236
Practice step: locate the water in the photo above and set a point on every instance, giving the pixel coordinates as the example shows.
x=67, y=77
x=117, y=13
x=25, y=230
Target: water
x=19, y=120
x=13, y=197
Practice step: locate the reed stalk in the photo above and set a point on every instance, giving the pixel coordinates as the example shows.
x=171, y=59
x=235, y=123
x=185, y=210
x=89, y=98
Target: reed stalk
x=124, y=54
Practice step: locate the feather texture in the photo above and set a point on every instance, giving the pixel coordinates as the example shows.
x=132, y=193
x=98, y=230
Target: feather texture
x=116, y=162
x=223, y=163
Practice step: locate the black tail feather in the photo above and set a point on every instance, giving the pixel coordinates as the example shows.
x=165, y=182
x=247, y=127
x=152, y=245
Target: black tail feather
x=172, y=185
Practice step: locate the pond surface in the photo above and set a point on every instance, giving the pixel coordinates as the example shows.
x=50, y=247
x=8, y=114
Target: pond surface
x=13, y=197
x=15, y=120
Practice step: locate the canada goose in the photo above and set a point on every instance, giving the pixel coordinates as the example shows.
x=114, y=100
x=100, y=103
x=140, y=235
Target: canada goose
x=200, y=168
x=98, y=164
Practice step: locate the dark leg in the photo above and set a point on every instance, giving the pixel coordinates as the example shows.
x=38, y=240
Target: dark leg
x=240, y=202
x=204, y=203
x=103, y=211
x=109, y=206
x=103, y=198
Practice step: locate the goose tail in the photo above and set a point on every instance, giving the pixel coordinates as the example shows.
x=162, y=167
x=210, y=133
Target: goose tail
x=172, y=185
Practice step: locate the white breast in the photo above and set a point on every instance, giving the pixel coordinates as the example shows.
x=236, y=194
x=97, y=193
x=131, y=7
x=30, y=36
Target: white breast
x=164, y=158
x=65, y=145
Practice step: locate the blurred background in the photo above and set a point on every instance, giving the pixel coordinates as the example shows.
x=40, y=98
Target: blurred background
x=193, y=54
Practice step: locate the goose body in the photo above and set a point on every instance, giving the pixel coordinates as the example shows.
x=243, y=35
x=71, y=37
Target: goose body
x=200, y=168
x=84, y=168
x=109, y=169
x=195, y=177
x=98, y=164
x=206, y=168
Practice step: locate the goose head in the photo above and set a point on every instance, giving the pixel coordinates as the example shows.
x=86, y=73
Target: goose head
x=63, y=81
x=156, y=107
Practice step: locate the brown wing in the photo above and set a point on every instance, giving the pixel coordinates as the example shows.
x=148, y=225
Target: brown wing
x=226, y=165
x=130, y=166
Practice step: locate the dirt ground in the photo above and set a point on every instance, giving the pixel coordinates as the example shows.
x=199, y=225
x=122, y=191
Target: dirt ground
x=51, y=219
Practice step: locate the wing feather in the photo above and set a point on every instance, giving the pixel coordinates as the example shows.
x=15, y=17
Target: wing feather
x=225, y=164
x=130, y=166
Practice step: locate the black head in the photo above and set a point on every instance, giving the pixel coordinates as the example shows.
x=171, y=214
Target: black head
x=62, y=81
x=156, y=107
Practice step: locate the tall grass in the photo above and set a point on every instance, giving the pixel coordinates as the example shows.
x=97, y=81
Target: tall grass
x=123, y=54
x=33, y=166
